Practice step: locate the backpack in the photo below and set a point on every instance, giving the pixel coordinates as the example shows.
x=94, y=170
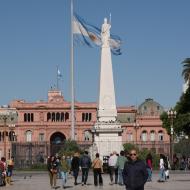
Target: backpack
x=85, y=162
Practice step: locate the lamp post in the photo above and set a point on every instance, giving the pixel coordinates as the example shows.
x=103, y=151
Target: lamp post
x=8, y=117
x=171, y=115
x=136, y=127
x=4, y=117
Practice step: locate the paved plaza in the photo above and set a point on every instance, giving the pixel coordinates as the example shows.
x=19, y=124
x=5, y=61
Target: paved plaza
x=40, y=181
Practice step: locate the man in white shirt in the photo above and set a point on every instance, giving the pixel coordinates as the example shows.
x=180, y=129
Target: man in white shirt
x=113, y=170
x=162, y=169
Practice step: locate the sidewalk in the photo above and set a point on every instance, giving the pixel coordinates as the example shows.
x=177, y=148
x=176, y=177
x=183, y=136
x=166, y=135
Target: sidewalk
x=40, y=181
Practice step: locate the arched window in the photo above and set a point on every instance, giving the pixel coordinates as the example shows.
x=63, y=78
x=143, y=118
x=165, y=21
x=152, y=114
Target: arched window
x=83, y=117
x=48, y=116
x=25, y=117
x=90, y=116
x=53, y=117
x=57, y=116
x=62, y=116
x=86, y=116
x=28, y=136
x=160, y=135
x=11, y=136
x=28, y=119
x=32, y=117
x=144, y=136
x=66, y=116
x=152, y=136
x=0, y=136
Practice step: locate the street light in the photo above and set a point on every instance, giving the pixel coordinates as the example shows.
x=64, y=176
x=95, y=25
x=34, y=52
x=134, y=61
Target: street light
x=4, y=118
x=7, y=116
x=136, y=127
x=171, y=115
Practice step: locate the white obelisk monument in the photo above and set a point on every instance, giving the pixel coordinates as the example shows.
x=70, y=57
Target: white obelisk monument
x=107, y=131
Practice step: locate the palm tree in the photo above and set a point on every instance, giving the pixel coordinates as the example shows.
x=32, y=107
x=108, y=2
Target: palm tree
x=186, y=70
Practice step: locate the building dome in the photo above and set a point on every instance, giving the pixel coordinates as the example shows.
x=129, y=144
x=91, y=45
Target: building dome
x=150, y=108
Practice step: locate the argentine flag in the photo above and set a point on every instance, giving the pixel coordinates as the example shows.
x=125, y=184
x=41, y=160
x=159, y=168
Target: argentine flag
x=85, y=33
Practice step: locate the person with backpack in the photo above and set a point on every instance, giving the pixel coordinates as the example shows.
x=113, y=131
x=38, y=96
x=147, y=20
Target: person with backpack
x=85, y=164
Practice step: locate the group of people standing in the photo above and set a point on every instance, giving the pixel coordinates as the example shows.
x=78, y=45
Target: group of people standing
x=6, y=169
x=61, y=167
x=130, y=171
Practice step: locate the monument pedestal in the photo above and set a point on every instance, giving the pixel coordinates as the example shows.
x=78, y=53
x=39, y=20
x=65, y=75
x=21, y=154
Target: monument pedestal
x=107, y=137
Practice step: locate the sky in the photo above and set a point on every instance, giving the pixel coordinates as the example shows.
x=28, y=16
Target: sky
x=35, y=39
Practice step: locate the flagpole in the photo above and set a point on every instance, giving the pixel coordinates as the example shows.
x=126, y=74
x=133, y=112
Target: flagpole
x=57, y=78
x=72, y=80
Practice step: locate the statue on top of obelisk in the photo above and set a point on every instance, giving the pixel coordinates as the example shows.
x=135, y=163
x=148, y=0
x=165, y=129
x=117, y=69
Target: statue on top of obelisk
x=105, y=33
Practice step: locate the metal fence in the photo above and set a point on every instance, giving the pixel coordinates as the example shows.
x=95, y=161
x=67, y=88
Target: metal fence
x=35, y=153
x=30, y=154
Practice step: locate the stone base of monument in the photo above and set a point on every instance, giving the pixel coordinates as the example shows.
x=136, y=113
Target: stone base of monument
x=107, y=138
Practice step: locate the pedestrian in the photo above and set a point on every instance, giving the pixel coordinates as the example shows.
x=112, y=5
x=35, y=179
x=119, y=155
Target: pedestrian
x=2, y=172
x=120, y=165
x=64, y=170
x=10, y=166
x=75, y=163
x=97, y=170
x=162, y=169
x=52, y=170
x=134, y=174
x=149, y=166
x=167, y=167
x=58, y=159
x=85, y=164
x=112, y=167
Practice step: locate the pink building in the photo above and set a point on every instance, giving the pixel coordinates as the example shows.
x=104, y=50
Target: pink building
x=49, y=122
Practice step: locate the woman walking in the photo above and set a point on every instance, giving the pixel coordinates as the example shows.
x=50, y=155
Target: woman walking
x=97, y=170
x=52, y=170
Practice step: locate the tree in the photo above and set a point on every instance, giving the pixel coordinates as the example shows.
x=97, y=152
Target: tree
x=182, y=121
x=69, y=148
x=128, y=147
x=182, y=107
x=165, y=122
x=182, y=147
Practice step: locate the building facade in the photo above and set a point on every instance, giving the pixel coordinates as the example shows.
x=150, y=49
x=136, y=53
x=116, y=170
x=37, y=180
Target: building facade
x=48, y=124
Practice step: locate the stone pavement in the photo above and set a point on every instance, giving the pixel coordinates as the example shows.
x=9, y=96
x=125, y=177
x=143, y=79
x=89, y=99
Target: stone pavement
x=40, y=181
